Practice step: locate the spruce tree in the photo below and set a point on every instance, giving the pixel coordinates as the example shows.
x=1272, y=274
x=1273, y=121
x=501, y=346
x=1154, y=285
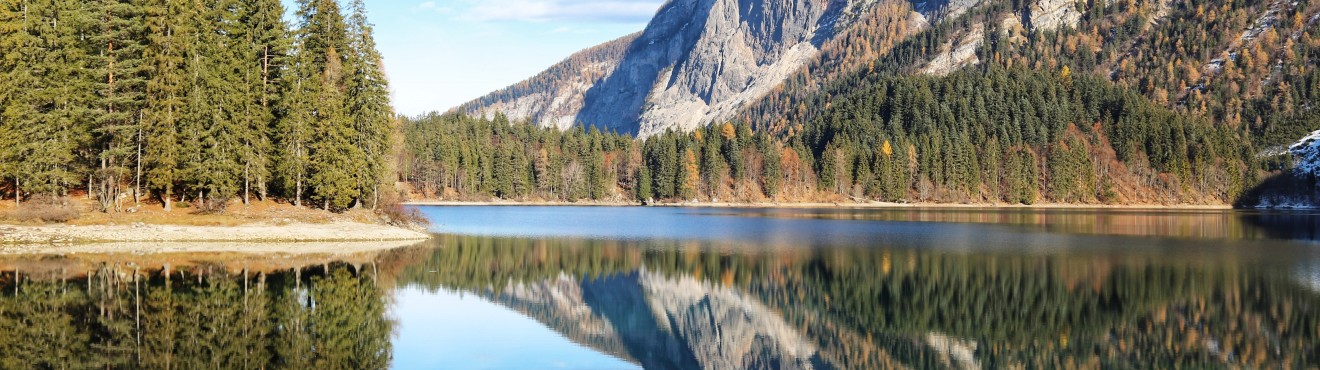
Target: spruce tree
x=368, y=103
x=13, y=39
x=211, y=131
x=169, y=26
x=117, y=42
x=49, y=93
x=264, y=39
x=293, y=131
x=332, y=154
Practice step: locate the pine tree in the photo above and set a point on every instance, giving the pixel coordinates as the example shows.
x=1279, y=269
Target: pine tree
x=265, y=41
x=14, y=41
x=118, y=67
x=772, y=178
x=332, y=153
x=644, y=181
x=293, y=131
x=49, y=93
x=212, y=127
x=168, y=28
x=368, y=103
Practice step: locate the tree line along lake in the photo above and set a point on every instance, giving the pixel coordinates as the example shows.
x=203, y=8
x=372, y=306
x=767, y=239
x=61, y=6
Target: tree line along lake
x=682, y=288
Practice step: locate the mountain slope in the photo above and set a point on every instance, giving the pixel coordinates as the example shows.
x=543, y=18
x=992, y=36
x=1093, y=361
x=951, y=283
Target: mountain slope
x=554, y=97
x=696, y=62
x=770, y=63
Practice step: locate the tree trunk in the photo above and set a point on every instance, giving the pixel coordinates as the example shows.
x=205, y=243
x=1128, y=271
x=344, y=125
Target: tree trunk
x=137, y=180
x=247, y=185
x=261, y=182
x=297, y=193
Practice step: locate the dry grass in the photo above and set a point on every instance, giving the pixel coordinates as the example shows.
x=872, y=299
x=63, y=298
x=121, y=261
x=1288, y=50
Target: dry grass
x=236, y=213
x=45, y=209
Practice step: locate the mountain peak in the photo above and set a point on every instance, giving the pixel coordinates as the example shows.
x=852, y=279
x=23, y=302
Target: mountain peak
x=698, y=61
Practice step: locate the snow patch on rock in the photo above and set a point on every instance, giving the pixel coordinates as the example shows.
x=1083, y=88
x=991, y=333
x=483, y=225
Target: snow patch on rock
x=1306, y=153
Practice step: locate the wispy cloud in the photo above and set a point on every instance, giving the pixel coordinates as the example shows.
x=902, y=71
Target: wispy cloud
x=620, y=11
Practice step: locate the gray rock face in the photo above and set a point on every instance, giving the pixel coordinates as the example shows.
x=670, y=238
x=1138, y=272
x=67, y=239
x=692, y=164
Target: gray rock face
x=704, y=61
x=666, y=323
x=698, y=61
x=554, y=97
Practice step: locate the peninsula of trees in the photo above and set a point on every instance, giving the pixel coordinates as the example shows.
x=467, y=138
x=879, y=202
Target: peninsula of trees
x=200, y=101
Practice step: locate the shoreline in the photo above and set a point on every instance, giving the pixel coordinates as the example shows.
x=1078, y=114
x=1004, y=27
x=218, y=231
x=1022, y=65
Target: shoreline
x=840, y=205
x=278, y=251
x=47, y=237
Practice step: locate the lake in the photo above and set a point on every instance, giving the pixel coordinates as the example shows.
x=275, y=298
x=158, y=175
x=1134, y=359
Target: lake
x=520, y=287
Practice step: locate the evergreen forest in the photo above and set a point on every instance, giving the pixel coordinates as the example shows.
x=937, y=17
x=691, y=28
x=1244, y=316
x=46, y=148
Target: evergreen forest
x=981, y=135
x=1137, y=102
x=205, y=102
x=118, y=316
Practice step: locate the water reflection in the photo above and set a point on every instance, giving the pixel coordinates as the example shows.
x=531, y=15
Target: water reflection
x=955, y=228
x=783, y=289
x=702, y=306
x=127, y=315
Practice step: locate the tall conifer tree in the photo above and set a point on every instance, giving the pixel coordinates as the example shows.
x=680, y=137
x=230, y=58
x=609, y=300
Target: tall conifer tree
x=368, y=103
x=116, y=44
x=170, y=27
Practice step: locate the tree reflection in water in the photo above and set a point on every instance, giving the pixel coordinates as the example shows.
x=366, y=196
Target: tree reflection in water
x=701, y=305
x=692, y=304
x=122, y=316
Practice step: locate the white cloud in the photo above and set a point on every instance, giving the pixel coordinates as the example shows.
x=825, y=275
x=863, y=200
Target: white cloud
x=621, y=11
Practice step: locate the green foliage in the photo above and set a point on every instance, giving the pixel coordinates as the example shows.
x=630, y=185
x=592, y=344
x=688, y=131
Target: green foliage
x=979, y=135
x=206, y=100
x=119, y=317
x=876, y=308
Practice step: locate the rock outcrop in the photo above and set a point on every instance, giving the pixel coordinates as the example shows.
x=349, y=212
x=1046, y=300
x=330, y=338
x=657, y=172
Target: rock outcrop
x=705, y=61
x=661, y=322
x=698, y=61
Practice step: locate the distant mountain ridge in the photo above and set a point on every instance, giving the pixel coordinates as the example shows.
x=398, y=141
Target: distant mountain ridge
x=697, y=62
x=703, y=61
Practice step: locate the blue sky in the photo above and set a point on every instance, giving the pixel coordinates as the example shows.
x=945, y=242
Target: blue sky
x=441, y=53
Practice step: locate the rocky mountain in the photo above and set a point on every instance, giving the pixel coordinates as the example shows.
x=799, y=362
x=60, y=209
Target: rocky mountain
x=698, y=61
x=665, y=323
x=779, y=63
x=1307, y=154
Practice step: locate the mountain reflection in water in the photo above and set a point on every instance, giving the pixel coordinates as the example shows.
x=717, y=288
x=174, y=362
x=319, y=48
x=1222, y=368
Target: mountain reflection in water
x=700, y=306
x=1136, y=291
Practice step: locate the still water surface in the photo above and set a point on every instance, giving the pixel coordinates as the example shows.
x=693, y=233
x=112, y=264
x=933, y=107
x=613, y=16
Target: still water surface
x=680, y=288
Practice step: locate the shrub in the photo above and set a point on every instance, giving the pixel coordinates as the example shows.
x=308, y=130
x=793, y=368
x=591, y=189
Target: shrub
x=212, y=206
x=399, y=215
x=47, y=209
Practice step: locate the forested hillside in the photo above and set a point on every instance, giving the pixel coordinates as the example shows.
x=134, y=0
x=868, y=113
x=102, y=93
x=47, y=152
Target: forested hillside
x=1120, y=102
x=982, y=135
x=1250, y=65
x=198, y=101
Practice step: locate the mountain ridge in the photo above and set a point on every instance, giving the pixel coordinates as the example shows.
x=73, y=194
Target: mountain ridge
x=697, y=62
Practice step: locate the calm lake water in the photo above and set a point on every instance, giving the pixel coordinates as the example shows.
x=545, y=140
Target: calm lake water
x=682, y=288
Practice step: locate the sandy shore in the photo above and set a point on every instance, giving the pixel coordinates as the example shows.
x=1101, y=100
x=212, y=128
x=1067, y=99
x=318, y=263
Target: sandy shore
x=15, y=235
x=336, y=248
x=875, y=205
